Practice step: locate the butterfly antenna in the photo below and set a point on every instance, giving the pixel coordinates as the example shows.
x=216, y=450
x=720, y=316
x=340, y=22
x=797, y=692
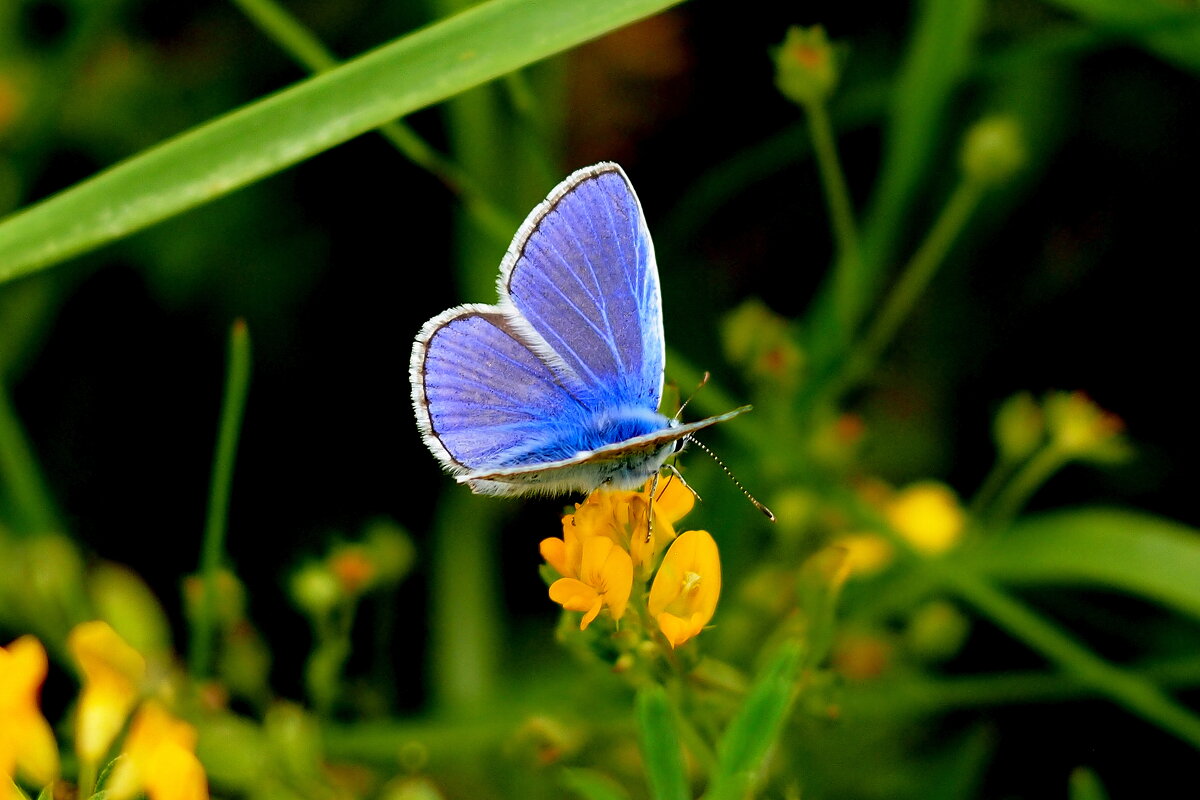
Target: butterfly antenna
x=766, y=511
x=703, y=381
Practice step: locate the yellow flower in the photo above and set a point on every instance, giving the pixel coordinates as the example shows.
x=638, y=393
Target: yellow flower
x=623, y=518
x=605, y=578
x=113, y=673
x=26, y=741
x=1082, y=429
x=866, y=553
x=159, y=759
x=928, y=515
x=685, y=590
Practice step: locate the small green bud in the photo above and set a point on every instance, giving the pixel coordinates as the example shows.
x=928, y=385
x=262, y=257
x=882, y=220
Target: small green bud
x=805, y=68
x=390, y=550
x=411, y=788
x=315, y=590
x=760, y=342
x=231, y=597
x=1019, y=427
x=936, y=631
x=1081, y=429
x=993, y=149
x=122, y=599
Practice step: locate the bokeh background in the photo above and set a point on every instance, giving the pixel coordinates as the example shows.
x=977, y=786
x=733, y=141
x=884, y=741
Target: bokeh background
x=1075, y=276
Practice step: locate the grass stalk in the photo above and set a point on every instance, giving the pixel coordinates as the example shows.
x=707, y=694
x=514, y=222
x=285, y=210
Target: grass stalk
x=19, y=474
x=237, y=383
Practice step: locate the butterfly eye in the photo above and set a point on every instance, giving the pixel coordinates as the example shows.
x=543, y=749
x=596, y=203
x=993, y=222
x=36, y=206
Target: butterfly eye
x=679, y=444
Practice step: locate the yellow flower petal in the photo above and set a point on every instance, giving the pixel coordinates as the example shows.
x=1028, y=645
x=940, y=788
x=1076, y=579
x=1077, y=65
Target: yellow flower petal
x=26, y=740
x=159, y=760
x=928, y=515
x=554, y=551
x=573, y=594
x=113, y=673
x=678, y=630
x=684, y=595
x=605, y=579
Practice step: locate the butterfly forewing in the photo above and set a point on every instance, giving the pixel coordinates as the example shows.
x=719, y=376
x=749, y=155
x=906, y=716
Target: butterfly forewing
x=582, y=274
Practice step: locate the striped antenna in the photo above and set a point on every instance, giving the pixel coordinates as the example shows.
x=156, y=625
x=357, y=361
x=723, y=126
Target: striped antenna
x=766, y=511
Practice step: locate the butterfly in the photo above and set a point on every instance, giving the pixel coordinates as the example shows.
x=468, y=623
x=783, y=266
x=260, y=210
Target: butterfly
x=556, y=388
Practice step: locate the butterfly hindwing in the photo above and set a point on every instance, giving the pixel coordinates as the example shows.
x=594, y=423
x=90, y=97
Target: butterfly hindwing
x=483, y=397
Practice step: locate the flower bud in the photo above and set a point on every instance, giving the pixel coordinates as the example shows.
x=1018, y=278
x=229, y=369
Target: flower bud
x=993, y=149
x=1081, y=429
x=390, y=549
x=1019, y=427
x=805, y=71
x=122, y=599
x=936, y=630
x=315, y=590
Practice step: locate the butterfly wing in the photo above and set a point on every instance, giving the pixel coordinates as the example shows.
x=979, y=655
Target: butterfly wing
x=609, y=464
x=581, y=275
x=482, y=396
x=557, y=387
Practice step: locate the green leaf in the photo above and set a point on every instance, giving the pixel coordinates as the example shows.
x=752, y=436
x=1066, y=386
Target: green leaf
x=1169, y=30
x=266, y=136
x=938, y=57
x=1086, y=786
x=660, y=746
x=592, y=785
x=1133, y=552
x=747, y=742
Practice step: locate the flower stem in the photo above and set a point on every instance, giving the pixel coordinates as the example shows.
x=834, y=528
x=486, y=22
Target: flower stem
x=307, y=50
x=1128, y=689
x=913, y=280
x=847, y=268
x=1037, y=470
x=237, y=382
x=20, y=476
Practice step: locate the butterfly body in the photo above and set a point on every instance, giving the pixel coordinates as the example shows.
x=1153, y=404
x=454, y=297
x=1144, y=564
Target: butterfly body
x=556, y=388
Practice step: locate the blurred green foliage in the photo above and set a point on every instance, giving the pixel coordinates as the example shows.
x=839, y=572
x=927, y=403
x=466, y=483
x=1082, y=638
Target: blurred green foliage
x=892, y=233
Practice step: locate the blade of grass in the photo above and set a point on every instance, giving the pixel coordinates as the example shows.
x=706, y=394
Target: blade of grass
x=1133, y=552
x=237, y=383
x=309, y=52
x=592, y=785
x=743, y=750
x=1127, y=689
x=1086, y=785
x=660, y=746
x=1169, y=30
x=20, y=476
x=285, y=128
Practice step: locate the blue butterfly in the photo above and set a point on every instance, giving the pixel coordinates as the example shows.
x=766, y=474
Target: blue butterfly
x=556, y=388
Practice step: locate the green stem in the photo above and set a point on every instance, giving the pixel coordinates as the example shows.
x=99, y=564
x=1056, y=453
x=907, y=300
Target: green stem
x=307, y=50
x=996, y=480
x=846, y=285
x=1029, y=479
x=20, y=476
x=912, y=696
x=919, y=271
x=1135, y=693
x=237, y=382
x=466, y=633
x=913, y=280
